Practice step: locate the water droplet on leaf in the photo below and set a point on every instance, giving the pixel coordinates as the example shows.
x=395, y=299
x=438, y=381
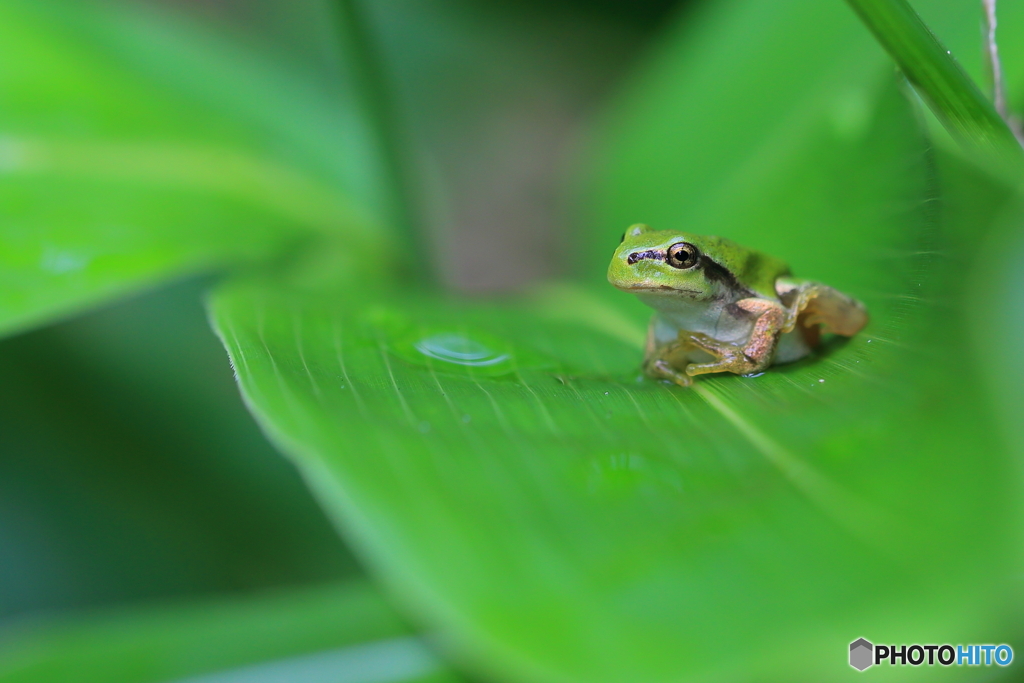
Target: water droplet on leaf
x=459, y=352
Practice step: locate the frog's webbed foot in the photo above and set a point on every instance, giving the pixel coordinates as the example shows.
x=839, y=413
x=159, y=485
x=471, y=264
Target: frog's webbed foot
x=730, y=357
x=812, y=303
x=743, y=359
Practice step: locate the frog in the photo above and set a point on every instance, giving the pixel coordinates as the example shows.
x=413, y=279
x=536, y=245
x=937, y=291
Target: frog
x=721, y=307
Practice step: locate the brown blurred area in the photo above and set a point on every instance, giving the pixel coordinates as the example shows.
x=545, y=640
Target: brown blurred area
x=492, y=99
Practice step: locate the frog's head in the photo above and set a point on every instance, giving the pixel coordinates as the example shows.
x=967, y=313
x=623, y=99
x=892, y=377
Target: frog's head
x=671, y=263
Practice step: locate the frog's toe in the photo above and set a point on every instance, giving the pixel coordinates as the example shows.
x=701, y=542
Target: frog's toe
x=739, y=364
x=681, y=379
x=661, y=369
x=694, y=369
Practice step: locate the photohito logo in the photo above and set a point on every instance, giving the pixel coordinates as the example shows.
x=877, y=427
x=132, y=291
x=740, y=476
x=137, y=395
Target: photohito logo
x=864, y=654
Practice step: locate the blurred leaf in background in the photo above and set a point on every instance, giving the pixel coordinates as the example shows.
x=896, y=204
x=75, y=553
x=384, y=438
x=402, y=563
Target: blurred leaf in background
x=344, y=633
x=140, y=146
x=135, y=147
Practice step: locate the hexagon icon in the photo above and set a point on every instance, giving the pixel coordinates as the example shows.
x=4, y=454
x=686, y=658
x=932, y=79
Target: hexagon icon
x=861, y=652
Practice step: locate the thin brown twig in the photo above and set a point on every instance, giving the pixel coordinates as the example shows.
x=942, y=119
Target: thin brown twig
x=996, y=70
x=992, y=52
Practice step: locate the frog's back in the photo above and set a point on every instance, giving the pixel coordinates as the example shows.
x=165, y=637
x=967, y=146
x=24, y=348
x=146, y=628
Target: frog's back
x=756, y=270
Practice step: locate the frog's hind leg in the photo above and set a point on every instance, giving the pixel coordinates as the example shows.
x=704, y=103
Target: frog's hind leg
x=809, y=304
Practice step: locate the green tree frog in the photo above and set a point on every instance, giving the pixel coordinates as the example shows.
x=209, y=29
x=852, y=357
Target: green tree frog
x=720, y=307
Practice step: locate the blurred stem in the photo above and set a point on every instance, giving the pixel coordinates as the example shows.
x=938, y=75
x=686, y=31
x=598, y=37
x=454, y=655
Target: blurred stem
x=950, y=92
x=372, y=84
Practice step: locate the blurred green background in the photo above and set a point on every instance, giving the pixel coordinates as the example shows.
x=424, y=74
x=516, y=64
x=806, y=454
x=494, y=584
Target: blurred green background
x=286, y=170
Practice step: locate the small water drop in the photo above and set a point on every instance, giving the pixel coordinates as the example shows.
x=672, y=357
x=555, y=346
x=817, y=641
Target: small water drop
x=424, y=427
x=458, y=349
x=342, y=386
x=466, y=419
x=821, y=380
x=447, y=351
x=606, y=393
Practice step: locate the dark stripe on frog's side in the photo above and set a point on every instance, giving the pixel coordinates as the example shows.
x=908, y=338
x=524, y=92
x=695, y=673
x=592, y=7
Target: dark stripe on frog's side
x=716, y=272
x=641, y=255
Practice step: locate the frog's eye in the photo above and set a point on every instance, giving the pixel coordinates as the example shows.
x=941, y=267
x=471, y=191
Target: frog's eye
x=683, y=255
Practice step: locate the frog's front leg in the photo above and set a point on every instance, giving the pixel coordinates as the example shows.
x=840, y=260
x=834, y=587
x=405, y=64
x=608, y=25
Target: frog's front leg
x=743, y=359
x=660, y=360
x=661, y=368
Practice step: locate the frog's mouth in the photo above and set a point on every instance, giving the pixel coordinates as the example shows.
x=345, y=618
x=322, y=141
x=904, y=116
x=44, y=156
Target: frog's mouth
x=656, y=289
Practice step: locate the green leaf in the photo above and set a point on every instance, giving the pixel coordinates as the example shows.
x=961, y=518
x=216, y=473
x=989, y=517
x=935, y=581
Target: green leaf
x=345, y=632
x=565, y=522
x=133, y=148
x=505, y=470
x=503, y=467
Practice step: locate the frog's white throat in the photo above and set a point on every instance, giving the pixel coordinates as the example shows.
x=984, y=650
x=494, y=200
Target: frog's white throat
x=695, y=312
